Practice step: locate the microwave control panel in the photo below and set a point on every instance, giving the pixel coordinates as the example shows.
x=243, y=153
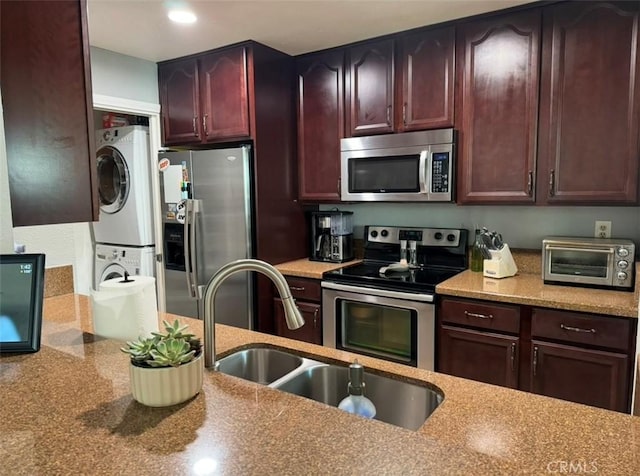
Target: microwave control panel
x=440, y=172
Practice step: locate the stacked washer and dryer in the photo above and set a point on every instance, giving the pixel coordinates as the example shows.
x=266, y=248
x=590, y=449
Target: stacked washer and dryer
x=124, y=233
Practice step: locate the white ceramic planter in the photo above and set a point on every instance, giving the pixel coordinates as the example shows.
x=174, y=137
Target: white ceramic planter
x=162, y=387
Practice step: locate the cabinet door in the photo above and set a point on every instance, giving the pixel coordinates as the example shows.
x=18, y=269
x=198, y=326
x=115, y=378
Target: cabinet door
x=320, y=125
x=482, y=356
x=586, y=376
x=371, y=86
x=224, y=95
x=48, y=119
x=590, y=103
x=179, y=102
x=427, y=79
x=311, y=331
x=498, y=69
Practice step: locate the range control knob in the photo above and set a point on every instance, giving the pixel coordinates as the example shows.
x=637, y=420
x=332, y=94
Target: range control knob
x=438, y=236
x=621, y=275
x=115, y=254
x=451, y=237
x=374, y=233
x=384, y=233
x=623, y=264
x=623, y=252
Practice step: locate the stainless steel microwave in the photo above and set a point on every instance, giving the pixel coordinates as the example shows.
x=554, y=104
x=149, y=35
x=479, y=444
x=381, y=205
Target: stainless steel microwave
x=406, y=167
x=593, y=262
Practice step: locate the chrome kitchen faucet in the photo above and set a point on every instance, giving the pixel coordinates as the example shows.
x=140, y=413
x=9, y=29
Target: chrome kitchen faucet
x=291, y=313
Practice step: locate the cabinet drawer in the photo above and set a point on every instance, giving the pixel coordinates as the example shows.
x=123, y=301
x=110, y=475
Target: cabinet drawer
x=601, y=331
x=496, y=317
x=305, y=289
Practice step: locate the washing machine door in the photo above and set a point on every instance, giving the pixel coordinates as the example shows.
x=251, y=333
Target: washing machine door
x=112, y=271
x=113, y=179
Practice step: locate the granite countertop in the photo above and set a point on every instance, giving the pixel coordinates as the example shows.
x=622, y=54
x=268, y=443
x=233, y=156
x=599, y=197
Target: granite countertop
x=68, y=410
x=305, y=268
x=528, y=288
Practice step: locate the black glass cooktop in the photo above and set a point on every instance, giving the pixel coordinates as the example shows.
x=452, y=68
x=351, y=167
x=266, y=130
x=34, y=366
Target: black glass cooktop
x=368, y=274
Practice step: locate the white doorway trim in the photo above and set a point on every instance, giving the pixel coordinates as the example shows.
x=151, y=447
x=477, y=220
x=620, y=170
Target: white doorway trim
x=152, y=110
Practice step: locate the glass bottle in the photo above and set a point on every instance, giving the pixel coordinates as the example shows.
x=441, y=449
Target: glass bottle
x=477, y=259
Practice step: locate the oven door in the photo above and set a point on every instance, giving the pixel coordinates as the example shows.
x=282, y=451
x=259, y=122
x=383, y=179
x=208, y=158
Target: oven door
x=385, y=324
x=574, y=264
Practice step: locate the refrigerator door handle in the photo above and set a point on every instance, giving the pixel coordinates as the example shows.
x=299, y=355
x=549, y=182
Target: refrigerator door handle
x=192, y=208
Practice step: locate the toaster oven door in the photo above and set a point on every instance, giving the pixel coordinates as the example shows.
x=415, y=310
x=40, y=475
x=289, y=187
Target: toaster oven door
x=592, y=266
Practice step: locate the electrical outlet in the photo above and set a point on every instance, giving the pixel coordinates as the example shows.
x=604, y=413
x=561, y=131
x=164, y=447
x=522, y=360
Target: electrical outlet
x=603, y=229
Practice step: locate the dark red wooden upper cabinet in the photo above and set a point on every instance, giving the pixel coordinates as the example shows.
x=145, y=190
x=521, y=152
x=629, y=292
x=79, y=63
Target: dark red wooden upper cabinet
x=224, y=94
x=180, y=102
x=427, y=61
x=48, y=114
x=320, y=125
x=590, y=103
x=371, y=88
x=497, y=108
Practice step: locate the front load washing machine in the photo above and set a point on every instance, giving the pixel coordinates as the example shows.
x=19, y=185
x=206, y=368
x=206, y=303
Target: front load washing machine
x=112, y=261
x=124, y=186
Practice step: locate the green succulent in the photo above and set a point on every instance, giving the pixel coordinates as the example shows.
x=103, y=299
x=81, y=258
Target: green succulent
x=169, y=349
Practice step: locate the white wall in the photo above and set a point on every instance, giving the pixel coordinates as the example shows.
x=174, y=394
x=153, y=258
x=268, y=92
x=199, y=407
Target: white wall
x=113, y=75
x=6, y=221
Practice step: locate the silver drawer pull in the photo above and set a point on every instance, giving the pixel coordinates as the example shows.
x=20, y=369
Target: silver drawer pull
x=293, y=288
x=480, y=316
x=577, y=329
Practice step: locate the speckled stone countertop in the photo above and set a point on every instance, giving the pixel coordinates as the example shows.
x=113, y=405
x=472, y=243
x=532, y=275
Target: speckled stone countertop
x=68, y=410
x=305, y=268
x=525, y=288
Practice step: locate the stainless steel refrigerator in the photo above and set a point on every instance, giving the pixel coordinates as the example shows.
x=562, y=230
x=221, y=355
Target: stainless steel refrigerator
x=206, y=199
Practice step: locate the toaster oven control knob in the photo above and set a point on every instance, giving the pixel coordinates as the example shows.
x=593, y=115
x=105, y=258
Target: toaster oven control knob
x=623, y=264
x=621, y=275
x=438, y=236
x=623, y=252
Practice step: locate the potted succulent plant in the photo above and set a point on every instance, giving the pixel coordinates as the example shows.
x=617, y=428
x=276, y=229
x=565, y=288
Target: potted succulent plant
x=166, y=368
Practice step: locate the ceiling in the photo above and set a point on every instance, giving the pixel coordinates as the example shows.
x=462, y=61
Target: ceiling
x=141, y=28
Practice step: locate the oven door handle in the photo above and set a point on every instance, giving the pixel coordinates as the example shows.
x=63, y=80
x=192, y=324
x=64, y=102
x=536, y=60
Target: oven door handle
x=608, y=251
x=420, y=297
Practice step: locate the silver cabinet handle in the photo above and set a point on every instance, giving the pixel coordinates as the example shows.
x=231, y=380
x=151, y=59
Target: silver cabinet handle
x=204, y=125
x=195, y=121
x=577, y=329
x=479, y=316
x=294, y=288
x=404, y=113
x=535, y=360
x=315, y=317
x=389, y=115
x=339, y=191
x=552, y=183
x=530, y=184
x=513, y=356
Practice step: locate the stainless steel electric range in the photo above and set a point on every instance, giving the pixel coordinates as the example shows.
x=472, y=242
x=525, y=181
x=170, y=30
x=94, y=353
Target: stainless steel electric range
x=384, y=306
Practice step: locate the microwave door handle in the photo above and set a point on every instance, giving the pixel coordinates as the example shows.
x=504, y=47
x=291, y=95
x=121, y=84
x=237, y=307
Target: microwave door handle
x=608, y=251
x=425, y=172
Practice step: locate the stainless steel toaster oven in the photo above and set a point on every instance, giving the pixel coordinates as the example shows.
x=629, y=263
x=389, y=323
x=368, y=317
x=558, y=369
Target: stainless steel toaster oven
x=593, y=262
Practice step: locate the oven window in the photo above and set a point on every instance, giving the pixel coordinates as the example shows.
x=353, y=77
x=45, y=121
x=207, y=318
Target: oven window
x=398, y=173
x=580, y=263
x=376, y=330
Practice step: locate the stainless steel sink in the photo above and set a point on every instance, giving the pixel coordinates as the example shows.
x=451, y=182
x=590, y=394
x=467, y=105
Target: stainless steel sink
x=263, y=365
x=397, y=402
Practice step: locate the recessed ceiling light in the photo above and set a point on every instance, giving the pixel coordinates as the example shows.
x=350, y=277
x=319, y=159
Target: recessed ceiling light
x=182, y=16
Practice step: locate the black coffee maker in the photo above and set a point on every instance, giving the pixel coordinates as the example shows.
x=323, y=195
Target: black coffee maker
x=331, y=236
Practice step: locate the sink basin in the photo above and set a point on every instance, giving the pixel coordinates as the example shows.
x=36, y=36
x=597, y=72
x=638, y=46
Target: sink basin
x=397, y=402
x=260, y=364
